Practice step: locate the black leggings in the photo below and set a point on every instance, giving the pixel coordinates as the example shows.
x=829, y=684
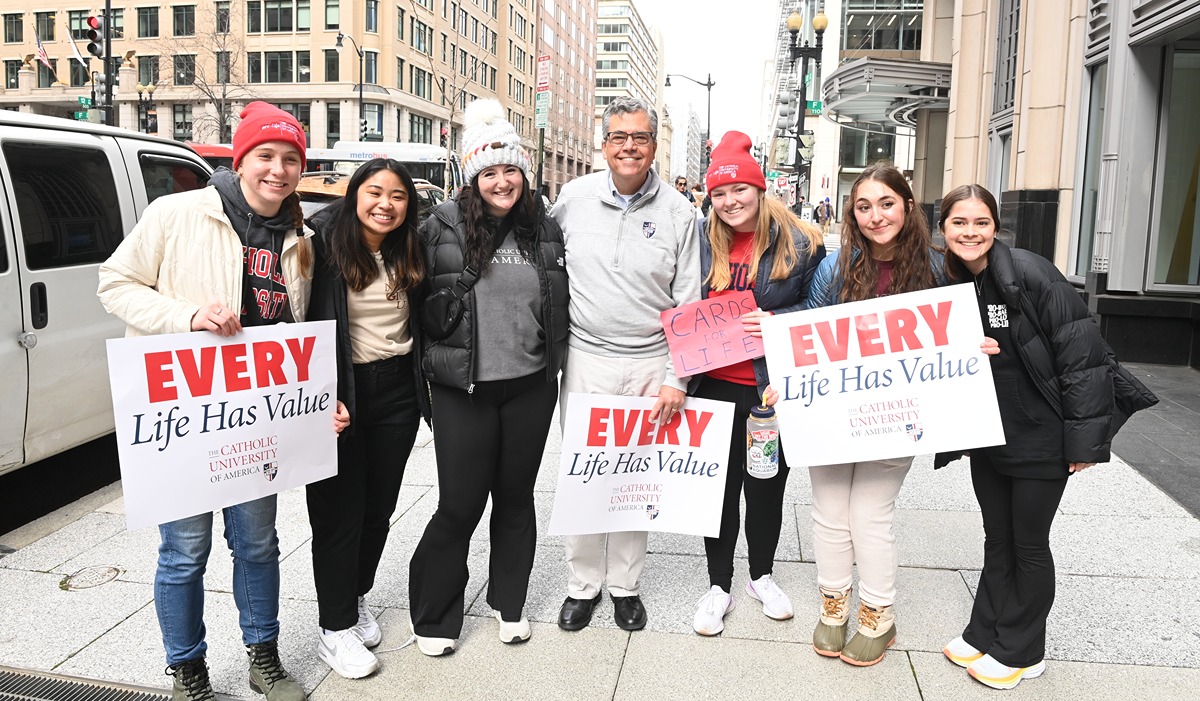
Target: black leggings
x=1016, y=587
x=764, y=497
x=489, y=442
x=350, y=511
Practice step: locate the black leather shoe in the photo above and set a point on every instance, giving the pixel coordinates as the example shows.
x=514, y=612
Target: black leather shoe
x=629, y=612
x=576, y=614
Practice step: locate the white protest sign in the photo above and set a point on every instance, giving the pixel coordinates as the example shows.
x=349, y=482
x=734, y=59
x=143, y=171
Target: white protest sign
x=205, y=422
x=622, y=472
x=883, y=378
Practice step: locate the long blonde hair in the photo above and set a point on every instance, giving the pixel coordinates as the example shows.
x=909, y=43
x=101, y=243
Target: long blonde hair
x=770, y=212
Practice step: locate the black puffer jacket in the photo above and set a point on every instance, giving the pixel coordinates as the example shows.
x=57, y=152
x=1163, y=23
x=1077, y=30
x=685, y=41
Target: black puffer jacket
x=451, y=361
x=779, y=296
x=327, y=300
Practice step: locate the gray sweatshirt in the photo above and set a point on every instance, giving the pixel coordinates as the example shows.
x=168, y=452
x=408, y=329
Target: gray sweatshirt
x=626, y=266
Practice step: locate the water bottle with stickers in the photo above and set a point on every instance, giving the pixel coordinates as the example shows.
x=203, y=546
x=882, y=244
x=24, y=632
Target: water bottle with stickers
x=762, y=443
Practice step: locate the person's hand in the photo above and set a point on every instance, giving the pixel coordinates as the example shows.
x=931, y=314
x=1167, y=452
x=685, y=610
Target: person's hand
x=216, y=318
x=670, y=400
x=341, y=418
x=990, y=346
x=770, y=396
x=1079, y=466
x=752, y=322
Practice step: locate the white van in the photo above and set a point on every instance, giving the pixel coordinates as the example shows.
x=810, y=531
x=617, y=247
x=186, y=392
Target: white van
x=69, y=192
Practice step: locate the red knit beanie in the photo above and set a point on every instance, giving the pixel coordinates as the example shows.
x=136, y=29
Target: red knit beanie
x=262, y=123
x=732, y=163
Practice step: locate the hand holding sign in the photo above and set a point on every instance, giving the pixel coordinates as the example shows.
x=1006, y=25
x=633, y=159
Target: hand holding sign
x=713, y=333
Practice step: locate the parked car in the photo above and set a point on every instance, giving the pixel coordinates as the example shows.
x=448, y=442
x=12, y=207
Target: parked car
x=69, y=192
x=318, y=189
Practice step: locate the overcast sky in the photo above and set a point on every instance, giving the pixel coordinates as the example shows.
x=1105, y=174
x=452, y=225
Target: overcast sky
x=732, y=40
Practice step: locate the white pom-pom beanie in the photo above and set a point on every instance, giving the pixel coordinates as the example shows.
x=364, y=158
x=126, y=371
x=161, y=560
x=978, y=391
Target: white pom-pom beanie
x=489, y=140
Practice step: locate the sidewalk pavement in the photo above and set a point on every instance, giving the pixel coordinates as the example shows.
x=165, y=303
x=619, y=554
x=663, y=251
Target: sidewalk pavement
x=1123, y=626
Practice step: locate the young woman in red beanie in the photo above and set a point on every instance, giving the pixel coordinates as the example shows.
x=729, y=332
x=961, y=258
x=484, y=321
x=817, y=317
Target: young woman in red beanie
x=754, y=243
x=370, y=278
x=183, y=268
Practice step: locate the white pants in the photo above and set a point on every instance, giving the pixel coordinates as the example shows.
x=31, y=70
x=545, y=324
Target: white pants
x=853, y=508
x=616, y=557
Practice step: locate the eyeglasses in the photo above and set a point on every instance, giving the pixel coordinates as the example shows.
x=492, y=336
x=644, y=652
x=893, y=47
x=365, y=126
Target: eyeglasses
x=640, y=138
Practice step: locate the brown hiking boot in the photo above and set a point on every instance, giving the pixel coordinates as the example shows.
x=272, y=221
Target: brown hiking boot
x=830, y=635
x=876, y=633
x=191, y=681
x=267, y=675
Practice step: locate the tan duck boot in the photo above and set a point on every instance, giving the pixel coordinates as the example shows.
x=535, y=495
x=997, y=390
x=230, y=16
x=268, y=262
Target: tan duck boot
x=830, y=635
x=876, y=633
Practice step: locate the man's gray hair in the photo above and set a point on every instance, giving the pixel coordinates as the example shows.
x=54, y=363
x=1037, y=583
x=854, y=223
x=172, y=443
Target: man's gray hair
x=629, y=105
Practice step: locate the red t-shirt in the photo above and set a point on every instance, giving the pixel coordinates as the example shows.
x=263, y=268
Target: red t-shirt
x=885, y=276
x=741, y=256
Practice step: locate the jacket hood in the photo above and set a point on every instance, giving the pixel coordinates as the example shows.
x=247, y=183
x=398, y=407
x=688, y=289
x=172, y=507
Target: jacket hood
x=229, y=185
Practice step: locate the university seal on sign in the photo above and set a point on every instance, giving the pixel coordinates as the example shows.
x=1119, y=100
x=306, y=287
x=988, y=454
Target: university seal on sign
x=269, y=470
x=914, y=431
x=648, y=229
x=651, y=511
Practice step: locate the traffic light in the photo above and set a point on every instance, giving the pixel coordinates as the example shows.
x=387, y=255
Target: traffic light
x=708, y=151
x=101, y=81
x=442, y=142
x=362, y=129
x=97, y=34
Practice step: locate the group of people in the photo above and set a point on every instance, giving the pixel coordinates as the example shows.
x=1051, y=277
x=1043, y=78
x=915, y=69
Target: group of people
x=565, y=301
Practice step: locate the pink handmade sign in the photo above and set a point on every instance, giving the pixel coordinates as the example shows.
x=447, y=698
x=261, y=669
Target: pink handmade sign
x=708, y=334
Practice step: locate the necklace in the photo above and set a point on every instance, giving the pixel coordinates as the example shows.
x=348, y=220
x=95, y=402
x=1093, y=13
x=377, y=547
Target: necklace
x=979, y=285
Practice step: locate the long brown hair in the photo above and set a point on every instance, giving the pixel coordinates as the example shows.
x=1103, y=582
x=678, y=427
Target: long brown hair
x=403, y=259
x=955, y=270
x=912, y=268
x=304, y=250
x=770, y=212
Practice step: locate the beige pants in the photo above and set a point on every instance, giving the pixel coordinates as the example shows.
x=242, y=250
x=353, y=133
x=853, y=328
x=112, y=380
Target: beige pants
x=616, y=557
x=853, y=508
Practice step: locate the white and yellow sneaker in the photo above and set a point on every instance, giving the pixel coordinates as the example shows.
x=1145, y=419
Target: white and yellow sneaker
x=987, y=671
x=960, y=652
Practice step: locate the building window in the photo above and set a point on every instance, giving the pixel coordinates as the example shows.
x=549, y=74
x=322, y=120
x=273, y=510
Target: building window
x=45, y=76
x=1090, y=188
x=332, y=62
x=116, y=24
x=279, y=66
x=303, y=67
x=14, y=29
x=254, y=67
x=371, y=20
x=185, y=70
x=277, y=15
x=1005, y=93
x=422, y=83
x=224, y=66
x=399, y=73
x=11, y=71
x=1177, y=253
x=333, y=15
x=184, y=20
x=81, y=75
x=147, y=22
x=183, y=122
x=223, y=21
x=421, y=37
x=303, y=15
x=371, y=67
x=77, y=23
x=147, y=70
x=333, y=123
x=44, y=23
x=859, y=149
x=400, y=23
x=373, y=113
x=420, y=129
x=301, y=111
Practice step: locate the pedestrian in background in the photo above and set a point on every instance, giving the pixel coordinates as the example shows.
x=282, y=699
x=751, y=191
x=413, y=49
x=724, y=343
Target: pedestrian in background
x=369, y=277
x=1055, y=385
x=886, y=249
x=183, y=268
x=494, y=380
x=631, y=254
x=753, y=243
x=681, y=186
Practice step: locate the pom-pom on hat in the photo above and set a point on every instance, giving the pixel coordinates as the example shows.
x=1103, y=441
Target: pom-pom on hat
x=732, y=163
x=489, y=140
x=262, y=123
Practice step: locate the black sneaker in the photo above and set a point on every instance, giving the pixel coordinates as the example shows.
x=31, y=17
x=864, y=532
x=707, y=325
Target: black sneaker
x=191, y=681
x=267, y=675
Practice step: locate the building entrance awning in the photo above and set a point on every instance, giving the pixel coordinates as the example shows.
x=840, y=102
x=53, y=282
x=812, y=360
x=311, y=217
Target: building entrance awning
x=875, y=93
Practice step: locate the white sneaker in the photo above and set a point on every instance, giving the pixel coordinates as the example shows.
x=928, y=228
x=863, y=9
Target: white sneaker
x=517, y=632
x=775, y=603
x=987, y=671
x=367, y=628
x=345, y=654
x=433, y=647
x=960, y=652
x=711, y=610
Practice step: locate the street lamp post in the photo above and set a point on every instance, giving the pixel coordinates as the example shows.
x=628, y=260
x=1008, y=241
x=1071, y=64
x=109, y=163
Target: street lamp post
x=361, y=74
x=708, y=84
x=145, y=94
x=794, y=24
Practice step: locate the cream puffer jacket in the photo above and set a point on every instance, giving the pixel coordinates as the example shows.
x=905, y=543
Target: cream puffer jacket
x=182, y=255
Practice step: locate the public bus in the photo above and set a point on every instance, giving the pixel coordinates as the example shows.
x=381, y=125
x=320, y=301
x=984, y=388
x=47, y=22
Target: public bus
x=216, y=155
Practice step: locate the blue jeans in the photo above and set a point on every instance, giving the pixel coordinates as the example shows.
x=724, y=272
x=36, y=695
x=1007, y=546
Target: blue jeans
x=179, y=580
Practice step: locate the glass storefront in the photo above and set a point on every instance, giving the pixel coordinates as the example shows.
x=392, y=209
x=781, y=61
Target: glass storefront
x=1089, y=190
x=1177, y=253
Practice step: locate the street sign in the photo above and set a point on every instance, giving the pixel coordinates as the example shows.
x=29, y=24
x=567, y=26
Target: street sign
x=815, y=106
x=543, y=73
x=85, y=101
x=542, y=110
x=80, y=116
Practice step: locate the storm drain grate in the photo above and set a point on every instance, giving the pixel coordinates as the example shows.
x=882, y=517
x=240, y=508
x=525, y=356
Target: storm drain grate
x=25, y=685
